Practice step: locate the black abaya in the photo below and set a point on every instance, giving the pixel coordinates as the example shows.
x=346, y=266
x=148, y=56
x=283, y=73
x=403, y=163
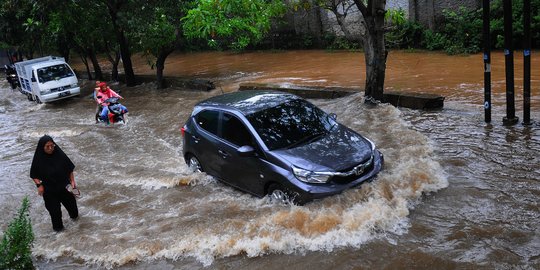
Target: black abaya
x=54, y=171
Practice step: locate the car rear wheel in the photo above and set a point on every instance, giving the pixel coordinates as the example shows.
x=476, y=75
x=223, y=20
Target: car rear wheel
x=282, y=195
x=194, y=164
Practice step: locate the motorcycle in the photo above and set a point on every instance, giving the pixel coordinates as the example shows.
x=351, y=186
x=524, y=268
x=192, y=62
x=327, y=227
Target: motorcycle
x=117, y=111
x=11, y=76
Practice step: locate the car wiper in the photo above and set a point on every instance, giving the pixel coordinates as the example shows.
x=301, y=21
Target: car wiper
x=307, y=139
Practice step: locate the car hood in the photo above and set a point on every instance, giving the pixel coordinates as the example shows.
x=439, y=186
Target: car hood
x=338, y=150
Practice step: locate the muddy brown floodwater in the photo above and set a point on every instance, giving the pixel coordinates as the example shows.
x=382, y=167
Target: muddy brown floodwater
x=455, y=193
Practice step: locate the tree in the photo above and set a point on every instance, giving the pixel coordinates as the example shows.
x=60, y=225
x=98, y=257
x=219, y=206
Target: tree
x=71, y=26
x=374, y=47
x=232, y=23
x=159, y=33
x=118, y=13
x=340, y=9
x=373, y=41
x=21, y=25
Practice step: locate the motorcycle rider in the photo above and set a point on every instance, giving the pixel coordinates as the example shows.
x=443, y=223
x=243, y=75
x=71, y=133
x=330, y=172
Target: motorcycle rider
x=102, y=95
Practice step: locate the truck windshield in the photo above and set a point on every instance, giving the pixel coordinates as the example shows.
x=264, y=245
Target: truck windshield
x=56, y=72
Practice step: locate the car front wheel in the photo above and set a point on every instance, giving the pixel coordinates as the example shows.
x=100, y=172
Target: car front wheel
x=282, y=195
x=194, y=164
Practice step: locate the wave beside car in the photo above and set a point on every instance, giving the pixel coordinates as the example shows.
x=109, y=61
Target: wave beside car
x=277, y=144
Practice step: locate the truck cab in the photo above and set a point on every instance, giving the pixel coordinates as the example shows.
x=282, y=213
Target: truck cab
x=47, y=79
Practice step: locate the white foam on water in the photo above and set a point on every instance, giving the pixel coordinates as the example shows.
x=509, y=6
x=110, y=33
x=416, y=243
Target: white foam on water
x=150, y=206
x=33, y=134
x=198, y=217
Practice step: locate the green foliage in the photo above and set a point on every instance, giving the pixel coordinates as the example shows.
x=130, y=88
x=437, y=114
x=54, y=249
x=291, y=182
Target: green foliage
x=434, y=40
x=497, y=23
x=231, y=23
x=463, y=31
x=460, y=31
x=406, y=35
x=339, y=43
x=15, y=248
x=395, y=17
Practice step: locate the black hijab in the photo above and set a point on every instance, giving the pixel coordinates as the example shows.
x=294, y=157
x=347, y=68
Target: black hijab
x=54, y=169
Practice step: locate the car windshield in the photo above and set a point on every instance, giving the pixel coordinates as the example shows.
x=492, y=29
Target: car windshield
x=55, y=72
x=291, y=124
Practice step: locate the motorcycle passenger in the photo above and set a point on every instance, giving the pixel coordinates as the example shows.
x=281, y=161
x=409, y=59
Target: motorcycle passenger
x=101, y=96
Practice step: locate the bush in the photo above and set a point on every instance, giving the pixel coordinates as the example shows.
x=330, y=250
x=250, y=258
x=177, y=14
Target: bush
x=405, y=36
x=334, y=42
x=15, y=248
x=460, y=31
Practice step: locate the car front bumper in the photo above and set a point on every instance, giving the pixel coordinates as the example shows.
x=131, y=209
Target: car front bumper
x=309, y=192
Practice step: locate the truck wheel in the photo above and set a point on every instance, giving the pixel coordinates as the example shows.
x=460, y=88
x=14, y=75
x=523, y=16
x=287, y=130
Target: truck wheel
x=29, y=97
x=38, y=101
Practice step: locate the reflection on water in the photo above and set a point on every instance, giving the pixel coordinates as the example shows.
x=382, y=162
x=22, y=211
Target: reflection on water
x=454, y=193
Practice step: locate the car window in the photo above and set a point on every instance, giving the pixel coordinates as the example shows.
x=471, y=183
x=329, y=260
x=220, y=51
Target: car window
x=208, y=120
x=234, y=131
x=290, y=124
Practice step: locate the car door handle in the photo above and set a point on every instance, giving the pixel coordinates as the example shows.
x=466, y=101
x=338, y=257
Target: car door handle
x=223, y=153
x=196, y=139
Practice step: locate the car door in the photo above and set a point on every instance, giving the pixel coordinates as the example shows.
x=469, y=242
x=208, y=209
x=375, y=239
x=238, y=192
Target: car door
x=245, y=173
x=207, y=140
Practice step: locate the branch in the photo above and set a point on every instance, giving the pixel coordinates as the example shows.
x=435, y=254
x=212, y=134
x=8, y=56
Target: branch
x=362, y=7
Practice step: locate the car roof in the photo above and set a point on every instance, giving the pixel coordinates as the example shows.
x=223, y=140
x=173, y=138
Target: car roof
x=249, y=101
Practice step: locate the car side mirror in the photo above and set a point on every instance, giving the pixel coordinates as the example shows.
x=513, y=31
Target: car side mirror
x=33, y=79
x=246, y=151
x=333, y=116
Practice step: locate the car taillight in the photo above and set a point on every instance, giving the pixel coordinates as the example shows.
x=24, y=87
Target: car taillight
x=183, y=131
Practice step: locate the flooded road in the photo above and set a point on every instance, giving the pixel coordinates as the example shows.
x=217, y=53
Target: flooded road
x=455, y=192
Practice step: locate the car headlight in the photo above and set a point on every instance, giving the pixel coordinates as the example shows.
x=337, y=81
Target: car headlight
x=310, y=176
x=73, y=85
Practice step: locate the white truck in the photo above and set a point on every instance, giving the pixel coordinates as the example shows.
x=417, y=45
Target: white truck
x=47, y=79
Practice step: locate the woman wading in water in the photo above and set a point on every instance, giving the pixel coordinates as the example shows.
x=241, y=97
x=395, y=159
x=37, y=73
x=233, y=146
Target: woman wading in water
x=52, y=172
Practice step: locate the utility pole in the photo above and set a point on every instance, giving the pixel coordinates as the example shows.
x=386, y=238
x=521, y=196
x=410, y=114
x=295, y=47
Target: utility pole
x=510, y=118
x=527, y=62
x=487, y=62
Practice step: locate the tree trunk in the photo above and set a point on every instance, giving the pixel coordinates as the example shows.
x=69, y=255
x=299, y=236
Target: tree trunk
x=85, y=62
x=114, y=8
x=114, y=71
x=113, y=54
x=64, y=49
x=126, y=58
x=374, y=48
x=375, y=57
x=95, y=63
x=160, y=66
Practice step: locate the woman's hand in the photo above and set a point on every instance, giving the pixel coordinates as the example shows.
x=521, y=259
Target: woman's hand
x=40, y=190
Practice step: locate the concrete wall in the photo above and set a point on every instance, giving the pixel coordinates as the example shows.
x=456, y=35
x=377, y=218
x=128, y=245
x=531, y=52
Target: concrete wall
x=319, y=22
x=353, y=19
x=429, y=12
